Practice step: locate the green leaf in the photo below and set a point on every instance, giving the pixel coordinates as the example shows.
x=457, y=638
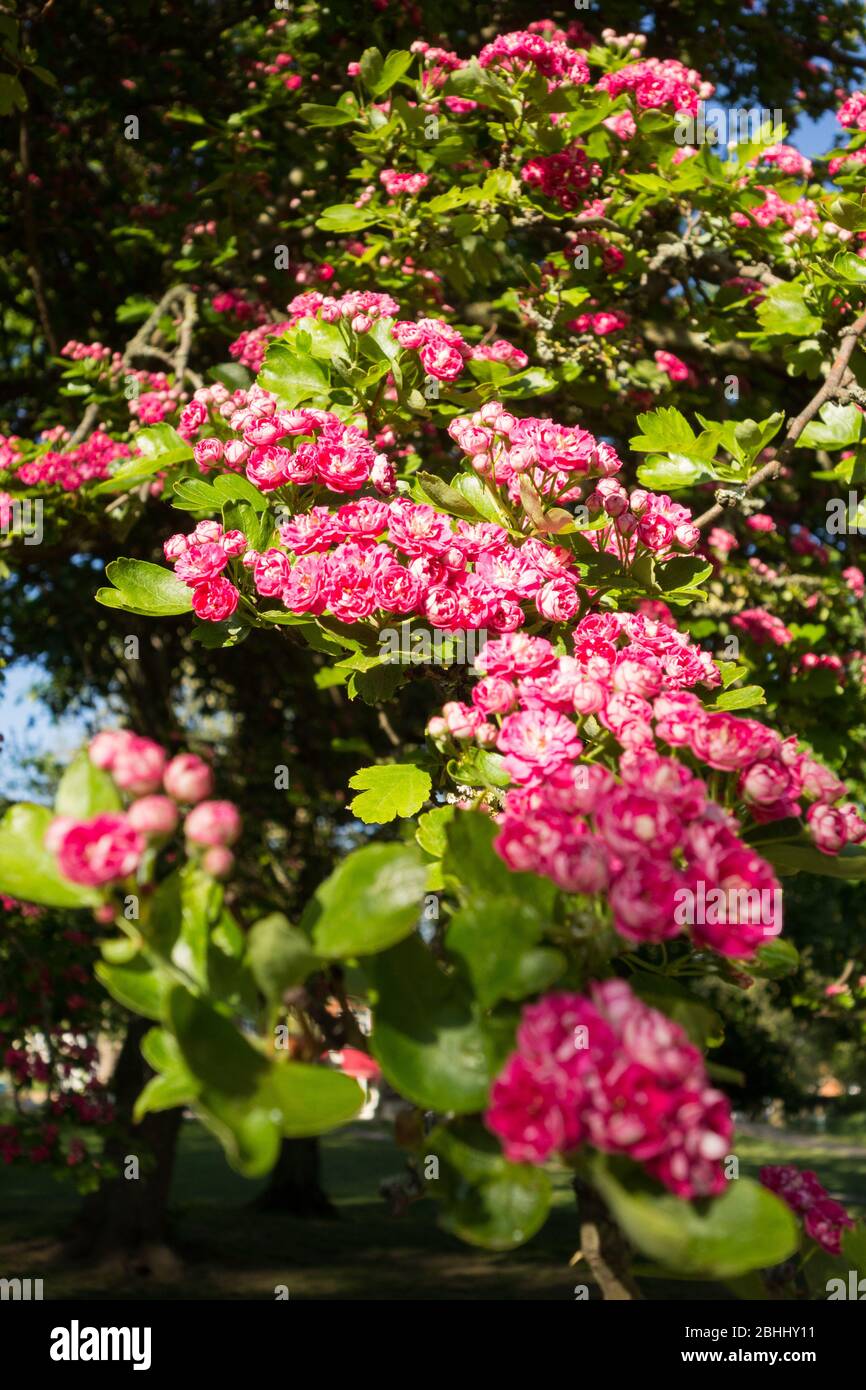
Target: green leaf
x=428, y=1040
x=147, y=589
x=801, y=855
x=164, y=1092
x=280, y=955
x=473, y=862
x=173, y=1085
x=249, y=1133
x=312, y=1100
x=432, y=828
x=774, y=960
x=496, y=939
x=345, y=217
x=232, y=375
x=314, y=114
x=370, y=67
x=137, y=984
x=194, y=495
x=28, y=871
x=666, y=473
x=854, y=1248
x=839, y=427
x=849, y=267
x=486, y=1200
x=683, y=572
x=446, y=497
x=395, y=65
x=744, y=697
x=478, y=767
x=159, y=447
x=665, y=430
x=752, y=436
x=746, y=1228
x=85, y=791
x=292, y=377
x=232, y=487
x=783, y=310
x=249, y=1102
x=388, y=790
x=371, y=900
x=479, y=497
x=215, y=1051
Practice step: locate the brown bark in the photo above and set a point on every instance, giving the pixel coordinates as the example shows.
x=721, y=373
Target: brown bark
x=603, y=1246
x=125, y=1222
x=295, y=1182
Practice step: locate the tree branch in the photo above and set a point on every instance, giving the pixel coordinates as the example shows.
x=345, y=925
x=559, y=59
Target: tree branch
x=827, y=392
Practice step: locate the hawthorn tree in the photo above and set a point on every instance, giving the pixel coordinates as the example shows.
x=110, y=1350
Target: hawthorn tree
x=545, y=479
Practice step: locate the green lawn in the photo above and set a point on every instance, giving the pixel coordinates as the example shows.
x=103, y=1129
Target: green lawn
x=230, y=1251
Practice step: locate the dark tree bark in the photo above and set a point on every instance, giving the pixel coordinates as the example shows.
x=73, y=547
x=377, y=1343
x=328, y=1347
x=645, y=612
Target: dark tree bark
x=295, y=1182
x=125, y=1222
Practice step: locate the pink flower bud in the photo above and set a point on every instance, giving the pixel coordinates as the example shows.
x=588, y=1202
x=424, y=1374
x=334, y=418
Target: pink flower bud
x=213, y=823
x=218, y=861
x=188, y=778
x=153, y=815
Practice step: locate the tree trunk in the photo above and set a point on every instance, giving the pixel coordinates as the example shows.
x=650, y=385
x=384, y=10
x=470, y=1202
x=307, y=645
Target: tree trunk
x=295, y=1183
x=603, y=1246
x=124, y=1223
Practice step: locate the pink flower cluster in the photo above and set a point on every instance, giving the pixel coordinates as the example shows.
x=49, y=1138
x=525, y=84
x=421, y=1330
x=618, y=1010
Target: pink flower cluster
x=563, y=177
x=852, y=114
x=602, y=323
x=109, y=847
x=199, y=560
x=235, y=303
x=609, y=1071
x=326, y=452
x=396, y=184
x=786, y=159
x=516, y=51
x=675, y=368
x=555, y=457
x=647, y=837
x=250, y=347
x=656, y=82
x=640, y=521
x=444, y=352
x=70, y=469
x=375, y=558
x=850, y=157
x=802, y=216
x=763, y=627
x=657, y=818
x=824, y=1219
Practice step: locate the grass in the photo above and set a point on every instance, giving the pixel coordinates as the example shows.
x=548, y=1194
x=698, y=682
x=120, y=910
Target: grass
x=232, y=1252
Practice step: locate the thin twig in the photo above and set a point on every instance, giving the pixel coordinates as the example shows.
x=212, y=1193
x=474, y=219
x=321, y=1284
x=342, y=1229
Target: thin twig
x=827, y=392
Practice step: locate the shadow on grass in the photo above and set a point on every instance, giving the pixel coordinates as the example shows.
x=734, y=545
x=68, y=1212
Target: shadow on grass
x=230, y=1251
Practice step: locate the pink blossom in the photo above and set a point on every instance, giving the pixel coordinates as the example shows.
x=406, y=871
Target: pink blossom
x=153, y=815
x=188, y=778
x=213, y=823
x=215, y=600
x=100, y=850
